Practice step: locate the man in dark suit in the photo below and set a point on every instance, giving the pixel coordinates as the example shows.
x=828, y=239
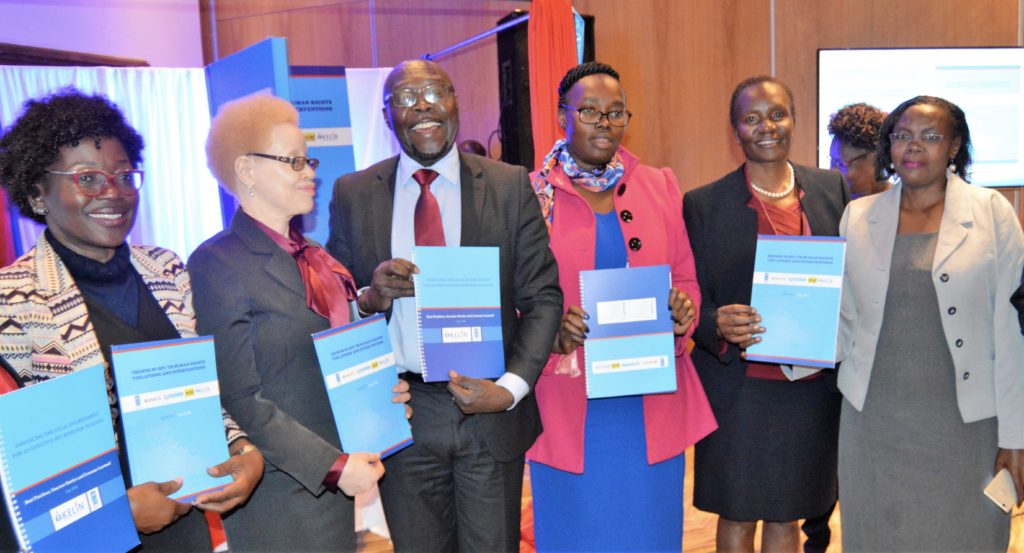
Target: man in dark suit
x=458, y=487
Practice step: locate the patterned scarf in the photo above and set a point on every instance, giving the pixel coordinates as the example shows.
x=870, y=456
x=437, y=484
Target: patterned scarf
x=597, y=180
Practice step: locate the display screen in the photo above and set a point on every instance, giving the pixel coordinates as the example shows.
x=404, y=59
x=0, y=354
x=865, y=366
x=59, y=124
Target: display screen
x=985, y=82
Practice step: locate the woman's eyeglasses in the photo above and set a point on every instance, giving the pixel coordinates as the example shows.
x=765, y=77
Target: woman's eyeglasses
x=298, y=163
x=92, y=182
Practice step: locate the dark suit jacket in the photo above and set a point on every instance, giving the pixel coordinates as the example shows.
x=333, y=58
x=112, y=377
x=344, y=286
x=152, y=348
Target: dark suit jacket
x=723, y=235
x=498, y=209
x=248, y=293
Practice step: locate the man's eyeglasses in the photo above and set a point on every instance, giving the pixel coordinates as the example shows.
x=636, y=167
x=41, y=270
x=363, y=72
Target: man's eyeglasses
x=903, y=137
x=407, y=97
x=92, y=182
x=298, y=163
x=591, y=116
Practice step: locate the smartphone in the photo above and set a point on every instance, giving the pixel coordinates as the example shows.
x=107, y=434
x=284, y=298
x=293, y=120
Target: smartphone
x=1001, y=491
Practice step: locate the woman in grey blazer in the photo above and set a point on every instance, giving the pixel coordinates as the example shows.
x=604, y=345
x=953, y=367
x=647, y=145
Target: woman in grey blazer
x=932, y=374
x=261, y=289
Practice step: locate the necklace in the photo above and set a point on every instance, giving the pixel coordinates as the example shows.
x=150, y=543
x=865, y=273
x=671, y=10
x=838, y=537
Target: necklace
x=781, y=193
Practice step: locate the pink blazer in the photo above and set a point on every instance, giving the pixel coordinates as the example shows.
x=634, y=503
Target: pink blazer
x=649, y=205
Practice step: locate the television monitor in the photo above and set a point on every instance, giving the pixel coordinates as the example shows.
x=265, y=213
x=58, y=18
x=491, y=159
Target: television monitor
x=985, y=82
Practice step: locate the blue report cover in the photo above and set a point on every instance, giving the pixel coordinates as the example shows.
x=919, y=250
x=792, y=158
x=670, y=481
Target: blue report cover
x=58, y=462
x=170, y=411
x=630, y=349
x=797, y=289
x=358, y=365
x=458, y=312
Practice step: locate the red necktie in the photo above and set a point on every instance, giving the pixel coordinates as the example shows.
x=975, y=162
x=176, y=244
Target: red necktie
x=429, y=230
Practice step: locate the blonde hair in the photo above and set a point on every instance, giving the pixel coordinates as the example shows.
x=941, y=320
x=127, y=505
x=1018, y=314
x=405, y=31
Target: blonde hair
x=240, y=127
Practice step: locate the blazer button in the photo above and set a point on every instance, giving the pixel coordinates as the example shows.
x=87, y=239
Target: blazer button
x=626, y=215
x=635, y=244
x=959, y=343
x=951, y=311
x=944, y=277
x=622, y=189
x=967, y=375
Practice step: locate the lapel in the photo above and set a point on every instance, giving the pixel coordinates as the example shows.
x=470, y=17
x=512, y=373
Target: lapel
x=883, y=218
x=957, y=219
x=473, y=190
x=382, y=208
x=813, y=203
x=745, y=222
x=276, y=262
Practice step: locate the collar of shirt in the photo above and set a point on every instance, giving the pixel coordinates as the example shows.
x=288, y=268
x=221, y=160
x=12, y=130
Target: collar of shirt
x=447, y=167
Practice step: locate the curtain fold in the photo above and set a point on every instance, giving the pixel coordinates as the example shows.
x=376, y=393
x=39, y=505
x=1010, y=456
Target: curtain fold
x=179, y=206
x=551, y=43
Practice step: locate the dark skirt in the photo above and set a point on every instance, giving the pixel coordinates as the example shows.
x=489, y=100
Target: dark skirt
x=774, y=454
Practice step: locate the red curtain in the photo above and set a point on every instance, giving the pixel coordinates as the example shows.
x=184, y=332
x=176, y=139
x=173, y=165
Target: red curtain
x=551, y=38
x=6, y=234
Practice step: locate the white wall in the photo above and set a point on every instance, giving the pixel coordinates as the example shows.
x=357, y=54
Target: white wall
x=165, y=33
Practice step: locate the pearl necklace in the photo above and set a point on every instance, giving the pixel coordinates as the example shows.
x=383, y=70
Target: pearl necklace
x=781, y=193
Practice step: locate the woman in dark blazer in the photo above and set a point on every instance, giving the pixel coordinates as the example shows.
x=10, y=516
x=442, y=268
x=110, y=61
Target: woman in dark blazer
x=261, y=289
x=773, y=457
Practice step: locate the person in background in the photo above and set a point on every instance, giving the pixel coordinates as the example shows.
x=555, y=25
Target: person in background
x=773, y=457
x=73, y=163
x=261, y=289
x=854, y=130
x=607, y=210
x=458, y=487
x=932, y=362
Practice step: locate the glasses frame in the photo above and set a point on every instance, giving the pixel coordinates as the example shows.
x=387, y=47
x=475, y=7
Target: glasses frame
x=601, y=115
x=420, y=93
x=928, y=139
x=295, y=162
x=108, y=179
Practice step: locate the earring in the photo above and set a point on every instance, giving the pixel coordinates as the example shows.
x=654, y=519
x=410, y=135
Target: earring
x=252, y=193
x=951, y=165
x=41, y=211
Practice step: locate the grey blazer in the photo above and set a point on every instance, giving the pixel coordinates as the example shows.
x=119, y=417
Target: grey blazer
x=248, y=294
x=723, y=235
x=977, y=266
x=498, y=209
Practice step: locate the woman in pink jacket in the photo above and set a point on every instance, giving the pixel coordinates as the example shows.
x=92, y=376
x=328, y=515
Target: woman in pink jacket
x=608, y=473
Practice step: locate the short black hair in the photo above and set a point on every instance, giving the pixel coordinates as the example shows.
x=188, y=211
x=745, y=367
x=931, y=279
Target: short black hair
x=747, y=83
x=46, y=125
x=962, y=159
x=580, y=71
x=857, y=125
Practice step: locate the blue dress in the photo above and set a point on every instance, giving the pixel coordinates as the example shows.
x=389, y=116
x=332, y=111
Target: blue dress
x=619, y=503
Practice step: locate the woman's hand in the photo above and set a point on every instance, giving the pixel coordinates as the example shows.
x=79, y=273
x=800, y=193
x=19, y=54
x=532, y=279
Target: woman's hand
x=246, y=470
x=361, y=472
x=1013, y=461
x=683, y=311
x=573, y=331
x=402, y=395
x=738, y=324
x=152, y=509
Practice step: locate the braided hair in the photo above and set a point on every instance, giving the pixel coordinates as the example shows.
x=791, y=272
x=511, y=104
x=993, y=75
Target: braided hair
x=580, y=71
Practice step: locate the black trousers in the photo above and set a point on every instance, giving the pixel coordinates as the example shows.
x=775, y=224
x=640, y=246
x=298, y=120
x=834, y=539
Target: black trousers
x=446, y=492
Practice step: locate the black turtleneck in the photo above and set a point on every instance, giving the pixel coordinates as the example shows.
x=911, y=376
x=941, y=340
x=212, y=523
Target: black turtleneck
x=113, y=285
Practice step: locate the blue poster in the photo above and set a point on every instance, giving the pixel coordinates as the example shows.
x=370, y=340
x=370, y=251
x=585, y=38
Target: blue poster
x=321, y=96
x=630, y=349
x=58, y=462
x=458, y=312
x=358, y=365
x=170, y=410
x=797, y=289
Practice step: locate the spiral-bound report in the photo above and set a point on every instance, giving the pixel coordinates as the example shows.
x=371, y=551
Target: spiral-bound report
x=630, y=349
x=61, y=477
x=458, y=312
